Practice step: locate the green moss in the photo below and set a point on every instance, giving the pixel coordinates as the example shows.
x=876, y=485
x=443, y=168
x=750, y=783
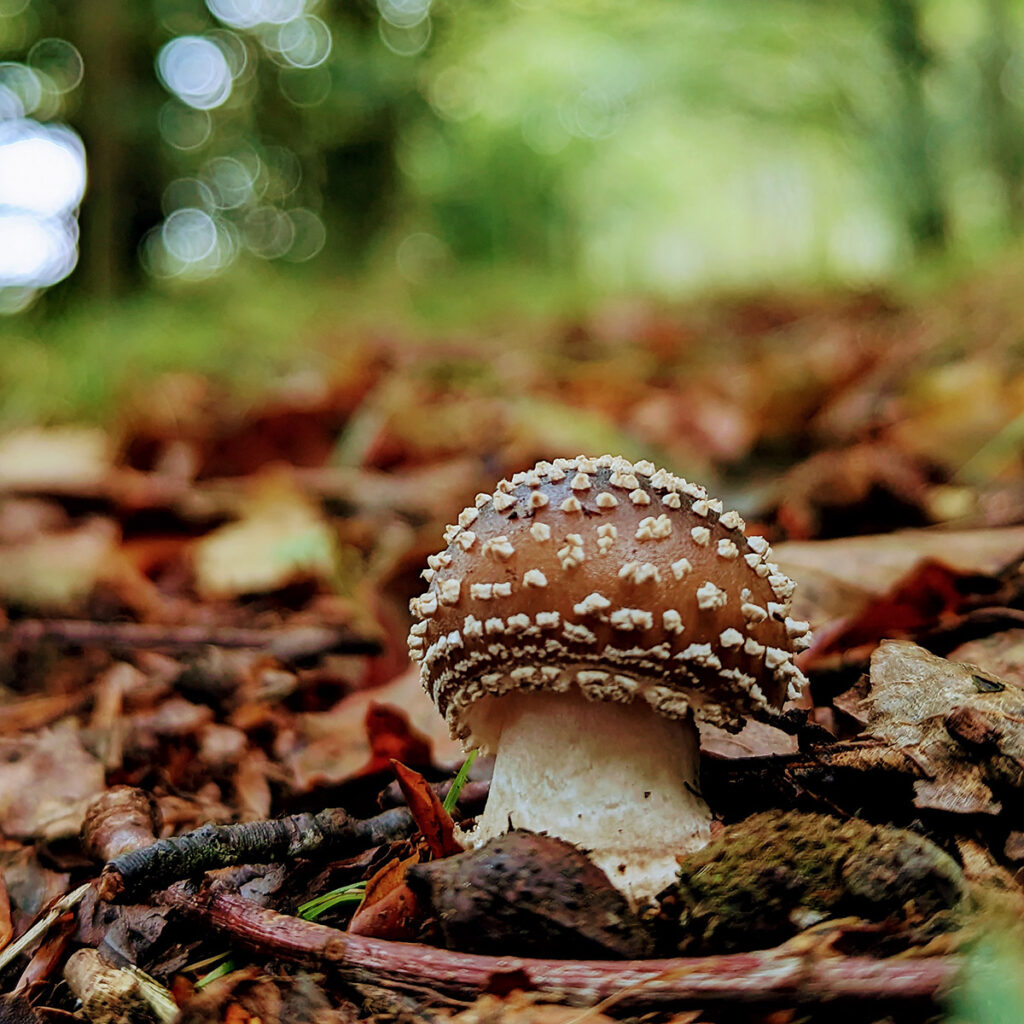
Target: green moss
x=767, y=878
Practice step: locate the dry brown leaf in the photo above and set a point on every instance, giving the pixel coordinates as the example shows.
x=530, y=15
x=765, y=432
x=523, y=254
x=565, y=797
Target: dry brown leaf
x=838, y=577
x=434, y=822
x=62, y=459
x=1002, y=654
x=389, y=910
x=951, y=411
x=56, y=571
x=46, y=782
x=755, y=739
x=963, y=729
x=531, y=1008
x=334, y=745
x=6, y=926
x=282, y=537
x=252, y=788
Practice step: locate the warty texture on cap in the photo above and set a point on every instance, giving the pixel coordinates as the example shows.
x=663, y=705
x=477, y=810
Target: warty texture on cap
x=618, y=578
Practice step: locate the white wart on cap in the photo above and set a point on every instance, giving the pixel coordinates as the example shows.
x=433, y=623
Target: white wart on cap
x=601, y=583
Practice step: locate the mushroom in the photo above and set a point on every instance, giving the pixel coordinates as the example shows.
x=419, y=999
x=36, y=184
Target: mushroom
x=580, y=620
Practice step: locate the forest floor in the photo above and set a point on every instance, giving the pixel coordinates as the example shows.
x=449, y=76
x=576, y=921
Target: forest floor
x=203, y=619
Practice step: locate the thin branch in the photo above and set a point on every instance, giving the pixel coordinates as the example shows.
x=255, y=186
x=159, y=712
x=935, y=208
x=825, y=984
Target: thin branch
x=331, y=832
x=287, y=643
x=781, y=976
x=40, y=928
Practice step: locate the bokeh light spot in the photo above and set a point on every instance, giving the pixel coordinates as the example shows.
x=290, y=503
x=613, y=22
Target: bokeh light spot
x=189, y=235
x=184, y=127
x=60, y=61
x=455, y=93
x=250, y=13
x=405, y=41
x=187, y=192
x=11, y=107
x=236, y=53
x=403, y=13
x=284, y=172
x=277, y=12
x=268, y=232
x=310, y=235
x=230, y=182
x=16, y=300
x=236, y=13
x=305, y=88
x=35, y=251
x=419, y=256
x=304, y=42
x=42, y=168
x=22, y=83
x=544, y=132
x=196, y=71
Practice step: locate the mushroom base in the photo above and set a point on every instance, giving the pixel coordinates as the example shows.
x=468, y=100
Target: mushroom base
x=618, y=780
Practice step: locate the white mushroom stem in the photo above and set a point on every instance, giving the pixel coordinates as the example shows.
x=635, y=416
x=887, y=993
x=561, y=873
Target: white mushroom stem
x=618, y=780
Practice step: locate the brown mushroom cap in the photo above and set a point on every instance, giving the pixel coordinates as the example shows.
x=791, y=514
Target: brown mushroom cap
x=623, y=580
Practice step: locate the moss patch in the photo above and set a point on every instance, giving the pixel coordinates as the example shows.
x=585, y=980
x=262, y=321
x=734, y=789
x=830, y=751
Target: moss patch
x=767, y=878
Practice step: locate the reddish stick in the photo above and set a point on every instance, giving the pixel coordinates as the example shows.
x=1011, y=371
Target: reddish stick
x=767, y=977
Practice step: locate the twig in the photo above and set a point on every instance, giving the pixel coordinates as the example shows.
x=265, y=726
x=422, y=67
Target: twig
x=287, y=644
x=61, y=907
x=761, y=978
x=331, y=832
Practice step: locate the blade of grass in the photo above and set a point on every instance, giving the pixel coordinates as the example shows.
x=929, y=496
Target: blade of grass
x=452, y=797
x=218, y=972
x=352, y=893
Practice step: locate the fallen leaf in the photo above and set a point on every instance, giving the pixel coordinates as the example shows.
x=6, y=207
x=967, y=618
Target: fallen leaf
x=252, y=786
x=1002, y=654
x=928, y=595
x=963, y=729
x=46, y=783
x=60, y=459
x=520, y=1007
x=390, y=909
x=858, y=489
x=839, y=577
x=282, y=537
x=333, y=745
x=433, y=821
x=392, y=739
x=755, y=739
x=6, y=926
x=57, y=571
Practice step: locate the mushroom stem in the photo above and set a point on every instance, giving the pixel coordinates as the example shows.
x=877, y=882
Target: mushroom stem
x=618, y=780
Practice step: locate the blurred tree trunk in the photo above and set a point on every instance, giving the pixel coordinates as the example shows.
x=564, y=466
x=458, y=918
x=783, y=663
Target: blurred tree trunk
x=1002, y=125
x=100, y=33
x=117, y=120
x=916, y=175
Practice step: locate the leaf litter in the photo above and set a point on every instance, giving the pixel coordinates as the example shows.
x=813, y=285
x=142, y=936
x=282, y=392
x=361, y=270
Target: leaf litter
x=203, y=607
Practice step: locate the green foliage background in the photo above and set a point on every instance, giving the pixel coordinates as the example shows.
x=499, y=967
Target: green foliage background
x=541, y=153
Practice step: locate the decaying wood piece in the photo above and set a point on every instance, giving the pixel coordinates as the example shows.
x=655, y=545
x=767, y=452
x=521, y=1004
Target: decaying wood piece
x=119, y=820
x=783, y=976
x=117, y=995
